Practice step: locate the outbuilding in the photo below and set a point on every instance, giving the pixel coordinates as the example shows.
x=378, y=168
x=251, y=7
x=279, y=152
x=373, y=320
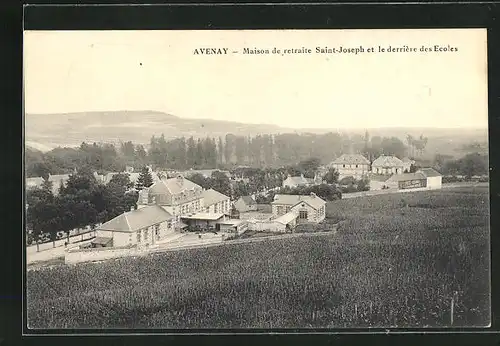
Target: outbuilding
x=203, y=221
x=407, y=181
x=434, y=178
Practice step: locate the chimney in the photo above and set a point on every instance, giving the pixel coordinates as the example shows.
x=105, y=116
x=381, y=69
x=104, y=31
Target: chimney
x=313, y=195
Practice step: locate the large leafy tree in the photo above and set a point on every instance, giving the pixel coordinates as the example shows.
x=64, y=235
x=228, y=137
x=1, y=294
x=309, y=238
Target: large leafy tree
x=332, y=176
x=221, y=183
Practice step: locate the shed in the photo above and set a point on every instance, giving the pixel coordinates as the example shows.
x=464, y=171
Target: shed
x=433, y=177
x=407, y=181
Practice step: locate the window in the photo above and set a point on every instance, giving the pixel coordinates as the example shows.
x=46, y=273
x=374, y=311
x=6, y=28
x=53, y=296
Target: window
x=157, y=231
x=356, y=166
x=138, y=236
x=343, y=166
x=303, y=214
x=146, y=234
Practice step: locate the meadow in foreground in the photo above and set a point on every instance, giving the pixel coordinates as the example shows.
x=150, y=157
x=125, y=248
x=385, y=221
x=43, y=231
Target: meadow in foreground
x=396, y=261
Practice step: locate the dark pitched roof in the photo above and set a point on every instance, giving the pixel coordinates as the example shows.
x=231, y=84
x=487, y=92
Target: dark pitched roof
x=248, y=200
x=429, y=172
x=137, y=219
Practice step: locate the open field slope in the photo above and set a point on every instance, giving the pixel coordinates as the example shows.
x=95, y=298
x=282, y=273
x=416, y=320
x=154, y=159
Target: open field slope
x=392, y=263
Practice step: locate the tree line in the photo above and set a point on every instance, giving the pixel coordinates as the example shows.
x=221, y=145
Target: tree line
x=211, y=153
x=81, y=202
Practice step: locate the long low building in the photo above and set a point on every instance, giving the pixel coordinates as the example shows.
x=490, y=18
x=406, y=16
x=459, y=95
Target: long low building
x=204, y=221
x=143, y=226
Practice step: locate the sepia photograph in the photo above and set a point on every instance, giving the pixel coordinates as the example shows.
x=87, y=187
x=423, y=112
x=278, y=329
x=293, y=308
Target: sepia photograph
x=256, y=179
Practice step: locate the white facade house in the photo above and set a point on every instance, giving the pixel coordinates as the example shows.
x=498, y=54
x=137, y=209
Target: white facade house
x=178, y=196
x=216, y=202
x=351, y=165
x=143, y=226
x=293, y=182
x=245, y=204
x=434, y=178
x=388, y=165
x=309, y=208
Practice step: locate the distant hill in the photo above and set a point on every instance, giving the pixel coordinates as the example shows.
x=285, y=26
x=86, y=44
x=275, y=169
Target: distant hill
x=47, y=131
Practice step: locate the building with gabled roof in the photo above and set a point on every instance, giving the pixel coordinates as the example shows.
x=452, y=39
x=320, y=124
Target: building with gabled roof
x=293, y=182
x=351, y=165
x=407, y=181
x=143, y=226
x=245, y=204
x=434, y=178
x=309, y=208
x=216, y=202
x=407, y=163
x=178, y=196
x=387, y=165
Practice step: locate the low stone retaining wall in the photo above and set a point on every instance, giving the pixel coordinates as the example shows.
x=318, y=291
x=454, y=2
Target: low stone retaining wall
x=99, y=254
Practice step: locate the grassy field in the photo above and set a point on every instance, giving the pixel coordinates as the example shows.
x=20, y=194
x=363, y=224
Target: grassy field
x=396, y=261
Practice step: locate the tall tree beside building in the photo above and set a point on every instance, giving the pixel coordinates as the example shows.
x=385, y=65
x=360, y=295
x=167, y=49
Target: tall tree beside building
x=229, y=148
x=141, y=155
x=220, y=151
x=145, y=179
x=200, y=154
x=191, y=152
x=240, y=149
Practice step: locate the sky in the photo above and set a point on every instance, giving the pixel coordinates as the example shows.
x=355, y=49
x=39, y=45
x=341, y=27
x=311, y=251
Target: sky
x=80, y=71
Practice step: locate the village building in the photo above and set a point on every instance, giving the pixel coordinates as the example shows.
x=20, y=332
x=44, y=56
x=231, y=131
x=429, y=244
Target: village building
x=351, y=165
x=294, y=182
x=204, y=221
x=57, y=180
x=233, y=226
x=285, y=223
x=100, y=178
x=407, y=163
x=387, y=165
x=143, y=226
x=245, y=204
x=216, y=202
x=178, y=196
x=434, y=178
x=309, y=208
x=34, y=182
x=406, y=181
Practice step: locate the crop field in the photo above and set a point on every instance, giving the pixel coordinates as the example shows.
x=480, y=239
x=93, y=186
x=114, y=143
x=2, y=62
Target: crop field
x=411, y=260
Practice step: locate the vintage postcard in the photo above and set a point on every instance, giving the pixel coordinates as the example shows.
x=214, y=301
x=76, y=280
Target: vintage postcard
x=252, y=179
